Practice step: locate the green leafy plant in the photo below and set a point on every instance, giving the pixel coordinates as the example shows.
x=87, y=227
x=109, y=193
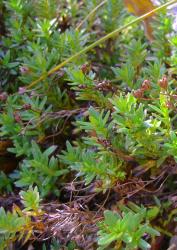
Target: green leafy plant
x=30, y=199
x=17, y=225
x=126, y=74
x=127, y=228
x=171, y=146
x=5, y=183
x=40, y=170
x=82, y=75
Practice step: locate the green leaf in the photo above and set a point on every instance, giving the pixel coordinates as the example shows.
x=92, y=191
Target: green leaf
x=107, y=239
x=30, y=199
x=111, y=218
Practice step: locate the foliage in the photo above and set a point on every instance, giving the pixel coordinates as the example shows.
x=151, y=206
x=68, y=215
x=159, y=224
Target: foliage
x=128, y=228
x=106, y=120
x=39, y=170
x=30, y=199
x=17, y=225
x=5, y=183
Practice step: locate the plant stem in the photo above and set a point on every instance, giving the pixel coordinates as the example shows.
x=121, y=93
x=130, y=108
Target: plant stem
x=101, y=40
x=90, y=14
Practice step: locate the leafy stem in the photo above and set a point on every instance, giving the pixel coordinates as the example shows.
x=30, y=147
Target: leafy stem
x=101, y=40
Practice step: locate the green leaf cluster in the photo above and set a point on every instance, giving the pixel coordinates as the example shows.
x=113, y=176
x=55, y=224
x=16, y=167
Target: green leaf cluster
x=39, y=169
x=126, y=230
x=17, y=225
